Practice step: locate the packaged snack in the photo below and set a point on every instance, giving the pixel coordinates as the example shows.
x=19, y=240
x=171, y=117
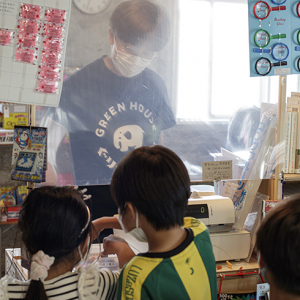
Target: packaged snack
x=54, y=31
x=51, y=58
x=55, y=16
x=49, y=73
x=28, y=40
x=6, y=37
x=26, y=55
x=47, y=86
x=50, y=44
x=29, y=27
x=30, y=12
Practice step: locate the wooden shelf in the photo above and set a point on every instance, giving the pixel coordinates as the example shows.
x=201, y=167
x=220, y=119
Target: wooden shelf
x=291, y=177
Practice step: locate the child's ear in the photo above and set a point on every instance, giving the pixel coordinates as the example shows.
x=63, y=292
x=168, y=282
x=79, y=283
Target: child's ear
x=131, y=210
x=111, y=36
x=261, y=261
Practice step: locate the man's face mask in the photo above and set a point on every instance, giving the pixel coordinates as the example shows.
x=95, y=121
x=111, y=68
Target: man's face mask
x=129, y=64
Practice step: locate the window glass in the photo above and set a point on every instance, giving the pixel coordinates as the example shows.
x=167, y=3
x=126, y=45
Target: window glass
x=196, y=98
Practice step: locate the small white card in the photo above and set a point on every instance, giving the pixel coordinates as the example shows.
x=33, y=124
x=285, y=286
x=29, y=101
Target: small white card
x=262, y=291
x=282, y=71
x=217, y=170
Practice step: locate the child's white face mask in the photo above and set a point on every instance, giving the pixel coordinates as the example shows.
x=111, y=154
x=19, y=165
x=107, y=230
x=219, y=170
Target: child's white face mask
x=136, y=232
x=127, y=64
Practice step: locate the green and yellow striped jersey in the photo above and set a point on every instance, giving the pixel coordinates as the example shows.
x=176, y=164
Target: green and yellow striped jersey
x=186, y=272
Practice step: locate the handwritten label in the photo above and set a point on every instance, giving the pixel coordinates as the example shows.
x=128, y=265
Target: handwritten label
x=8, y=8
x=282, y=71
x=229, y=190
x=217, y=170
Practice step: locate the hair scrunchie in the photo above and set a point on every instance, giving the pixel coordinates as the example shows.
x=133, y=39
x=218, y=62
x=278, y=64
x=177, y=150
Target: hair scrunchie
x=40, y=264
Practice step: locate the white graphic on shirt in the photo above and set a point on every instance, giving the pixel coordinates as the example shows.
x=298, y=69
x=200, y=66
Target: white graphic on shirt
x=109, y=160
x=128, y=136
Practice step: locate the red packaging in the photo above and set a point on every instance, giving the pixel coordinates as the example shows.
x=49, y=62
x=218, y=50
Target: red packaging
x=26, y=55
x=29, y=27
x=51, y=58
x=31, y=12
x=47, y=86
x=55, y=15
x=54, y=31
x=27, y=40
x=12, y=212
x=50, y=73
x=5, y=37
x=50, y=44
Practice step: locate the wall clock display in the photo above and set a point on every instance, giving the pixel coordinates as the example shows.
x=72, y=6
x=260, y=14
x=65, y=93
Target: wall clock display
x=92, y=6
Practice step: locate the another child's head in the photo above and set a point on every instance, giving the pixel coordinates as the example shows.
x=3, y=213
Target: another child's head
x=278, y=242
x=155, y=181
x=52, y=219
x=140, y=22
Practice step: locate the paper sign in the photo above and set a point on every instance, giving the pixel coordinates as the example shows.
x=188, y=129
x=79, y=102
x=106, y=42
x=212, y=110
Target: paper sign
x=229, y=190
x=217, y=170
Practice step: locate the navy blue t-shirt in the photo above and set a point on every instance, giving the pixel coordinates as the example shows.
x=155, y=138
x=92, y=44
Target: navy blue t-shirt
x=107, y=116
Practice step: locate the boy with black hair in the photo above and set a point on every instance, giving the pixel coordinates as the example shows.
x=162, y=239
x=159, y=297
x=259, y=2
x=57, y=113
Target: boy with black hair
x=278, y=244
x=151, y=187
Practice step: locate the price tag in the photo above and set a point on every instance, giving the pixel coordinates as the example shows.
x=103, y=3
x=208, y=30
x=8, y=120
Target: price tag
x=262, y=291
x=6, y=112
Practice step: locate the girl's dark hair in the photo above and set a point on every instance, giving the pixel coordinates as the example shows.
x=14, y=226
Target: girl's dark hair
x=278, y=241
x=51, y=219
x=156, y=182
x=141, y=21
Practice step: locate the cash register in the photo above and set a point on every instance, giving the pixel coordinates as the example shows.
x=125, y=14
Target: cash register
x=218, y=214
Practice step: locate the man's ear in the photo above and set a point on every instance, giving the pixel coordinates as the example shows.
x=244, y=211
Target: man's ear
x=111, y=36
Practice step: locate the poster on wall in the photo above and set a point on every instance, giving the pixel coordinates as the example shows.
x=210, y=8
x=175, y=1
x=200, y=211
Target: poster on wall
x=274, y=37
x=33, y=36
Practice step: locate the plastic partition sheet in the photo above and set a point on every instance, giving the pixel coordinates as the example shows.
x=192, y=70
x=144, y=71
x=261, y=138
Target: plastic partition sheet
x=120, y=93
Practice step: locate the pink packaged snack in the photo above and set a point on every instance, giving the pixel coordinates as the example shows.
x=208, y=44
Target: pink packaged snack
x=54, y=31
x=51, y=58
x=6, y=37
x=50, y=44
x=47, y=86
x=55, y=15
x=27, y=40
x=29, y=27
x=26, y=55
x=50, y=73
x=31, y=12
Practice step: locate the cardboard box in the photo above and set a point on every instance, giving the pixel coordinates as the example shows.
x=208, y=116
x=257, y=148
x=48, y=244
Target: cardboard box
x=12, y=212
x=14, y=115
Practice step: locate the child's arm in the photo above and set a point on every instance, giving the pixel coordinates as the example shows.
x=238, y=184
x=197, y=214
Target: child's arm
x=115, y=245
x=103, y=223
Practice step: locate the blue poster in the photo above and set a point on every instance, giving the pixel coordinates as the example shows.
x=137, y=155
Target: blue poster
x=274, y=37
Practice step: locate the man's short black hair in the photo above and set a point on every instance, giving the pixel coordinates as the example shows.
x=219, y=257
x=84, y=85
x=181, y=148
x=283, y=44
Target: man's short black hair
x=156, y=182
x=141, y=21
x=278, y=241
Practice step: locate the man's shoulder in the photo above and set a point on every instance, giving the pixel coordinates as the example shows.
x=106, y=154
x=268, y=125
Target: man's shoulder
x=89, y=70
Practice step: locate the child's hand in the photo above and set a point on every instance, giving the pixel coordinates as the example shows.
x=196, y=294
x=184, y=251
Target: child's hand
x=103, y=223
x=112, y=243
x=115, y=245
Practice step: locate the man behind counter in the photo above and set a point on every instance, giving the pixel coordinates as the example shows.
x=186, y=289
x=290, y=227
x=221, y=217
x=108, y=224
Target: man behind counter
x=115, y=104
